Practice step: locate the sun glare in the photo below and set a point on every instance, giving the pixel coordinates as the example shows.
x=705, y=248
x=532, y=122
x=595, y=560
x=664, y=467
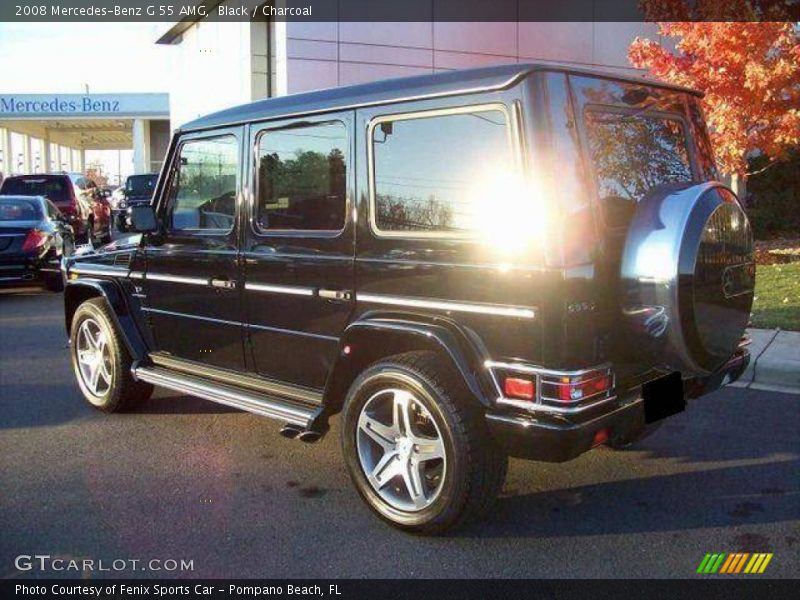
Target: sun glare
x=509, y=212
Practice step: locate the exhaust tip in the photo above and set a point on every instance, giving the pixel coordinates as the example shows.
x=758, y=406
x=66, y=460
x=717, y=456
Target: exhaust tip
x=309, y=437
x=290, y=431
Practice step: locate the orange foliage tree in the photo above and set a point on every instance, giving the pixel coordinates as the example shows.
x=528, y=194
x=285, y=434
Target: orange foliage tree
x=749, y=71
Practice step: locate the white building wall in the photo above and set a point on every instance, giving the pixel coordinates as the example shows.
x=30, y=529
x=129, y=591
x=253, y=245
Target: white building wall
x=323, y=55
x=218, y=65
x=213, y=68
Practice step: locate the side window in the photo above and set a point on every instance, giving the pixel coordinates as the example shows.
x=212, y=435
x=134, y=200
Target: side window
x=438, y=174
x=203, y=187
x=302, y=178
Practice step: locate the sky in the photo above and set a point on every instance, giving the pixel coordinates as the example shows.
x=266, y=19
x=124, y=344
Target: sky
x=65, y=57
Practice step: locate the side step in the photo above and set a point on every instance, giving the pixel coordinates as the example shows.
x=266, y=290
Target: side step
x=260, y=404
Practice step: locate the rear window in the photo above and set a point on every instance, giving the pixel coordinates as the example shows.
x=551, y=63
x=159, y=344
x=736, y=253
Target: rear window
x=141, y=185
x=634, y=154
x=53, y=188
x=17, y=209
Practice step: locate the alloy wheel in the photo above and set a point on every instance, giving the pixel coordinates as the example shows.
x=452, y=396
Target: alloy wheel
x=94, y=357
x=401, y=450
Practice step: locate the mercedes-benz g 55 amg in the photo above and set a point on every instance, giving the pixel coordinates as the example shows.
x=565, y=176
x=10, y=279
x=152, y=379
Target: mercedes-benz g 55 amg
x=517, y=260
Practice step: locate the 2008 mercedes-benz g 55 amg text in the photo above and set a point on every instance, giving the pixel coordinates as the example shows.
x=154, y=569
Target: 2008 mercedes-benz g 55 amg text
x=517, y=260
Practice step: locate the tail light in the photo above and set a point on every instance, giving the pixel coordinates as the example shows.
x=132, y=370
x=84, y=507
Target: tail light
x=34, y=240
x=519, y=388
x=571, y=389
x=537, y=388
x=69, y=211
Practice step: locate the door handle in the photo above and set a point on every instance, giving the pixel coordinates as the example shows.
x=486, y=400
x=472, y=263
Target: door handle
x=336, y=295
x=223, y=284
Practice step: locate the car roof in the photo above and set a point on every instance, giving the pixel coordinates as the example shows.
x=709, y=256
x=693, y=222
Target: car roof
x=39, y=176
x=400, y=89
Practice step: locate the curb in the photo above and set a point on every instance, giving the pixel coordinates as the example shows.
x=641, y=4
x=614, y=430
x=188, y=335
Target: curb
x=774, y=361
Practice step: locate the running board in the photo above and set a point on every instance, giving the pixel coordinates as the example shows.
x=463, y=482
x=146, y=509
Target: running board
x=260, y=404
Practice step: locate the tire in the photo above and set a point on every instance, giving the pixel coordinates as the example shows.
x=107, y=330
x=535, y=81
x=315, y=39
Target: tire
x=456, y=488
x=115, y=389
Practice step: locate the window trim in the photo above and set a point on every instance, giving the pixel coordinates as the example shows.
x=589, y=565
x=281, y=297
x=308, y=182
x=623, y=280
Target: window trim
x=174, y=170
x=310, y=233
x=513, y=138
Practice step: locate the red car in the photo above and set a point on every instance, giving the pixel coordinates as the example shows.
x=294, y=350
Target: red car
x=76, y=197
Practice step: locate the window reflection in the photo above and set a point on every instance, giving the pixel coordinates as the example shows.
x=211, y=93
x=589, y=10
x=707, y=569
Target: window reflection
x=634, y=154
x=427, y=170
x=302, y=178
x=204, y=187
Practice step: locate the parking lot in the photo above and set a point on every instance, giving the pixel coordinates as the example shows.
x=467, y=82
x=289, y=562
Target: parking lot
x=186, y=479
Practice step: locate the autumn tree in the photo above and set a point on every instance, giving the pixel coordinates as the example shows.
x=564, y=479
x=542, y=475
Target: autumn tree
x=749, y=71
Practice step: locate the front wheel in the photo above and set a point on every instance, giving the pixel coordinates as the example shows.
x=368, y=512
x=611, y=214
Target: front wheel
x=101, y=361
x=417, y=449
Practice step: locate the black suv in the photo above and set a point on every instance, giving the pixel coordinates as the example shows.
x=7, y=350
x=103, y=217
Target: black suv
x=518, y=260
x=138, y=190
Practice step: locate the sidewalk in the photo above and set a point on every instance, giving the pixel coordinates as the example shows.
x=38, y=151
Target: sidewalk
x=774, y=361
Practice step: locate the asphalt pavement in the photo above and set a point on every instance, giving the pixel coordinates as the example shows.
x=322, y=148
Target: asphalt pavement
x=185, y=479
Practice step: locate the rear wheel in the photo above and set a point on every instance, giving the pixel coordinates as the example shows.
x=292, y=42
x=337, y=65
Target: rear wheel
x=101, y=361
x=417, y=451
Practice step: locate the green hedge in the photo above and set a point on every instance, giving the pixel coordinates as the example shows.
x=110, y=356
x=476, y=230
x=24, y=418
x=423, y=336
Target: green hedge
x=773, y=198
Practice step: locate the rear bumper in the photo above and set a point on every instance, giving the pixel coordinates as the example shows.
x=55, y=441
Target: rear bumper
x=23, y=269
x=552, y=441
x=729, y=373
x=557, y=440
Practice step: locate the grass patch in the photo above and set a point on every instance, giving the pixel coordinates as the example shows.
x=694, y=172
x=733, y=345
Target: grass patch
x=777, y=301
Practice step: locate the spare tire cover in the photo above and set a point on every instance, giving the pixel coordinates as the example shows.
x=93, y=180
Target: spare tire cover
x=687, y=277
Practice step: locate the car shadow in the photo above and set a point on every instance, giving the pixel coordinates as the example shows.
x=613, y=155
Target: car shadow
x=731, y=459
x=164, y=402
x=697, y=499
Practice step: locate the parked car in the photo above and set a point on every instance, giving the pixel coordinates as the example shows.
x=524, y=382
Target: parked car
x=138, y=190
x=89, y=218
x=117, y=195
x=34, y=237
x=100, y=221
x=517, y=260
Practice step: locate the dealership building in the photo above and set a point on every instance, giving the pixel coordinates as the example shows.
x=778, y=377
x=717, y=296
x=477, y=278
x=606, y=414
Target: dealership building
x=42, y=133
x=220, y=64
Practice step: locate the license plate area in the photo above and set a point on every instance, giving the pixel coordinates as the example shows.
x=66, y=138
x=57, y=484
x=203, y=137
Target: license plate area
x=663, y=397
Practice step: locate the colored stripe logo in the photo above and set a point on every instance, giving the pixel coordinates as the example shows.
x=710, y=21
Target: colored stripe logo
x=730, y=564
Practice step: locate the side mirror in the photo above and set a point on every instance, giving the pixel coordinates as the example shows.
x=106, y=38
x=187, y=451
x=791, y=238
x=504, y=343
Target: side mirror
x=143, y=219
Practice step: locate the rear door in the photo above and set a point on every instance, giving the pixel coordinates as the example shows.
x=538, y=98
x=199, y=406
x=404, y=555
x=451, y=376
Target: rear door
x=298, y=246
x=191, y=278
